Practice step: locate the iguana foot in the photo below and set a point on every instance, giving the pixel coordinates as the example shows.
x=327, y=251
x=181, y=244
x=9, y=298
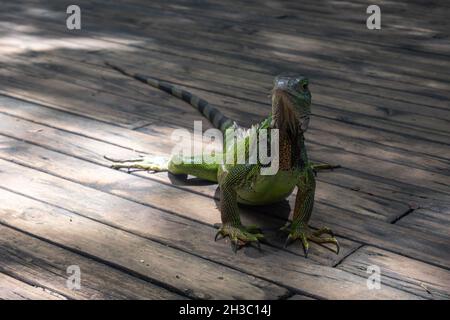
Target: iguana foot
x=240, y=235
x=305, y=234
x=149, y=164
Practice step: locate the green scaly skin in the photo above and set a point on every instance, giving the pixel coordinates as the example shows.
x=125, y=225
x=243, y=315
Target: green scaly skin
x=243, y=183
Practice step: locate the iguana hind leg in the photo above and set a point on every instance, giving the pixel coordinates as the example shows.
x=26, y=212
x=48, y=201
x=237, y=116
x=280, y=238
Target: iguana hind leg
x=176, y=165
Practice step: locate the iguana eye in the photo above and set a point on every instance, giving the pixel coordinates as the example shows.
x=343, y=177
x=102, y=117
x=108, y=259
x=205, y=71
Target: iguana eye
x=304, y=85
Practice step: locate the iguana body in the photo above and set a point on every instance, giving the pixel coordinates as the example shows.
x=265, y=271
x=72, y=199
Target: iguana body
x=243, y=183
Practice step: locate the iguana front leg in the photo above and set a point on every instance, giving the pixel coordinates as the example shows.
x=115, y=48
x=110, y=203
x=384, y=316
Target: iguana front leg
x=298, y=229
x=232, y=227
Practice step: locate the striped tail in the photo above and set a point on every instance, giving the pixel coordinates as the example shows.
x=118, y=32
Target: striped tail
x=216, y=117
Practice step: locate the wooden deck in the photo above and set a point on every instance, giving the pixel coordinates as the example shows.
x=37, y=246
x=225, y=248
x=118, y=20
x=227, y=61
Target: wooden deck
x=381, y=110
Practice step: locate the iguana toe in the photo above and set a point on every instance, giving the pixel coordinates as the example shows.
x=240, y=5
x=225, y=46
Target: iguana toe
x=142, y=163
x=304, y=234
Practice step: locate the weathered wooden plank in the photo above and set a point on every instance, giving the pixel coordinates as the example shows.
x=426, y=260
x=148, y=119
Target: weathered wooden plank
x=340, y=100
x=45, y=265
x=402, y=143
x=429, y=220
x=300, y=297
x=159, y=263
x=43, y=94
x=13, y=289
x=381, y=152
x=146, y=22
x=344, y=17
x=161, y=195
x=267, y=15
x=203, y=76
x=406, y=107
x=170, y=13
x=108, y=107
x=219, y=32
x=364, y=183
x=391, y=172
x=419, y=278
x=355, y=201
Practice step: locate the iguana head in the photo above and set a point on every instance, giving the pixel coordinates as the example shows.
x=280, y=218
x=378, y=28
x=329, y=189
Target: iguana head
x=296, y=100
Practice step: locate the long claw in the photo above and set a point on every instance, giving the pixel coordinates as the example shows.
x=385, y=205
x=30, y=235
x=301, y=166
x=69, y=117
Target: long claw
x=335, y=242
x=305, y=244
x=122, y=160
x=219, y=233
x=234, y=245
x=304, y=234
x=332, y=240
x=288, y=241
x=323, y=230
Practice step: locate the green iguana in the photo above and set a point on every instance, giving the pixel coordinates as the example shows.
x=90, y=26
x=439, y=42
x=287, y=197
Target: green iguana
x=243, y=183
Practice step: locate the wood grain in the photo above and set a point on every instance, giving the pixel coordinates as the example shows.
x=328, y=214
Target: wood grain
x=45, y=265
x=155, y=262
x=380, y=109
x=398, y=271
x=13, y=289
